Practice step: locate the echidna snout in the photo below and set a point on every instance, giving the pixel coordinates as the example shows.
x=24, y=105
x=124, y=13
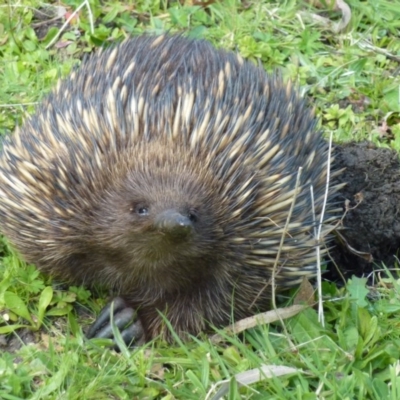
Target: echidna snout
x=175, y=225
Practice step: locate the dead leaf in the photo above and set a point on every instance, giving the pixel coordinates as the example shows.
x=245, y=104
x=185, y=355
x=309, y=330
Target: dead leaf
x=255, y=375
x=305, y=295
x=260, y=319
x=336, y=5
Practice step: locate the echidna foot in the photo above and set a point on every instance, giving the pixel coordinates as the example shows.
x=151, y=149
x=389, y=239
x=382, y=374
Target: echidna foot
x=124, y=318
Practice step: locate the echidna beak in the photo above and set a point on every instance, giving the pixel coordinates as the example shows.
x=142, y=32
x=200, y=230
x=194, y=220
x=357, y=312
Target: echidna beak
x=173, y=224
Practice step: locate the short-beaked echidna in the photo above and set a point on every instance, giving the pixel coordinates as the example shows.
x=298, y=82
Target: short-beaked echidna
x=165, y=169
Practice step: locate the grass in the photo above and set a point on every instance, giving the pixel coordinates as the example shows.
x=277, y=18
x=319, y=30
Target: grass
x=352, y=78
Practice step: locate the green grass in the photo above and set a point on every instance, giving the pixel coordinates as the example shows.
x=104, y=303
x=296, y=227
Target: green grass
x=353, y=80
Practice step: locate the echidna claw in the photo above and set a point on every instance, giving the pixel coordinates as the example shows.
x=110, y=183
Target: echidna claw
x=124, y=318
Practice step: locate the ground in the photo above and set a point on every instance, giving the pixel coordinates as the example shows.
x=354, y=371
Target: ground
x=371, y=224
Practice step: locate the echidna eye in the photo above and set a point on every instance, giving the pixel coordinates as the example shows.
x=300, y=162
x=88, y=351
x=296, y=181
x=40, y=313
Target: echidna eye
x=142, y=210
x=192, y=216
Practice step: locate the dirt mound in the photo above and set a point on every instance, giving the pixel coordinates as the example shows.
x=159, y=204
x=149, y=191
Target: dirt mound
x=372, y=224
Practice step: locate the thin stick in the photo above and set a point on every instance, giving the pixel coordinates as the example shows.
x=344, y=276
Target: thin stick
x=328, y=178
x=321, y=318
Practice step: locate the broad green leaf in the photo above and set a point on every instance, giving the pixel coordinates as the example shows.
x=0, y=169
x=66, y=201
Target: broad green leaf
x=358, y=291
x=16, y=304
x=44, y=301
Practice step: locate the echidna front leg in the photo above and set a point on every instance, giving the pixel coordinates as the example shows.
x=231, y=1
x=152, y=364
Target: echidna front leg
x=125, y=319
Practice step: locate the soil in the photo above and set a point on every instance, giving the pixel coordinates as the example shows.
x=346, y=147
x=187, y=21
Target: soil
x=370, y=232
x=12, y=343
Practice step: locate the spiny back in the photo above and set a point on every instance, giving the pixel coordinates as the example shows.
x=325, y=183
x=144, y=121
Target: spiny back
x=158, y=124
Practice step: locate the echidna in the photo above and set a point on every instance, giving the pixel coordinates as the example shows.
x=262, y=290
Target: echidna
x=165, y=169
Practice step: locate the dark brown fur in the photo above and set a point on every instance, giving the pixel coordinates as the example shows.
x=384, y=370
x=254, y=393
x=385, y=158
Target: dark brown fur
x=168, y=123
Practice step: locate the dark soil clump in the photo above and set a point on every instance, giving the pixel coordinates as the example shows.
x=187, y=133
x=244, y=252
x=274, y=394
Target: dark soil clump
x=372, y=223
